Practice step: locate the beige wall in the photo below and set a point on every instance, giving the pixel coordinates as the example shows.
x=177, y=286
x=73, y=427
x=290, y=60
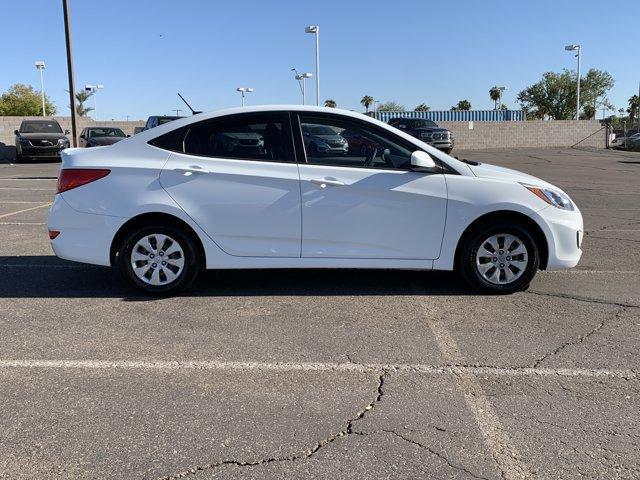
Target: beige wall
x=483, y=135
x=532, y=134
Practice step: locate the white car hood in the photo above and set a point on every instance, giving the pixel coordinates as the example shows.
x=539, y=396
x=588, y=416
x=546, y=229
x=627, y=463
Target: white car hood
x=485, y=170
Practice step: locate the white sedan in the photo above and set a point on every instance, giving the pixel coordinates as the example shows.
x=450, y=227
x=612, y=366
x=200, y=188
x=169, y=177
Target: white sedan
x=170, y=201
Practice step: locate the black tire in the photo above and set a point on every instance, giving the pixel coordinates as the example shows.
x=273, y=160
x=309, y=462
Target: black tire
x=185, y=277
x=466, y=261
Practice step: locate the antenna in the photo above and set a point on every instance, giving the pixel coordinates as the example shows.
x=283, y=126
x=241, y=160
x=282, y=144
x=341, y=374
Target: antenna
x=193, y=112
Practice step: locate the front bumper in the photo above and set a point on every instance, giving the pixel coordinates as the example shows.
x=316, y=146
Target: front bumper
x=84, y=237
x=564, y=231
x=44, y=152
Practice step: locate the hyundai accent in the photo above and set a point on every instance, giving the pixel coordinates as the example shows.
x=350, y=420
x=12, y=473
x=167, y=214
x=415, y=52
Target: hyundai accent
x=175, y=199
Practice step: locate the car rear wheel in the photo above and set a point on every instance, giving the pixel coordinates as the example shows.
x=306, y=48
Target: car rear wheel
x=499, y=257
x=159, y=260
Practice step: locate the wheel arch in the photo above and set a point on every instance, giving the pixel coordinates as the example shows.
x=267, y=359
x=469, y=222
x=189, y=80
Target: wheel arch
x=147, y=218
x=533, y=227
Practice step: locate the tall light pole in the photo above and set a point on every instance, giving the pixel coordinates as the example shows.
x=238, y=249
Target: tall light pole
x=315, y=29
x=40, y=66
x=242, y=91
x=301, y=77
x=72, y=81
x=501, y=90
x=94, y=90
x=571, y=48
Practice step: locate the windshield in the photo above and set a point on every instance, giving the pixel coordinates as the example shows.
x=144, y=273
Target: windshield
x=40, y=126
x=423, y=124
x=163, y=120
x=105, y=132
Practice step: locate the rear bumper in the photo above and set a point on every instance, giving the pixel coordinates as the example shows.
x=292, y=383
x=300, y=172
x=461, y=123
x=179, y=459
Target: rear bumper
x=84, y=237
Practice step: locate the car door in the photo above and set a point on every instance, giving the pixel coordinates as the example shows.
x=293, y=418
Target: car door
x=236, y=176
x=371, y=206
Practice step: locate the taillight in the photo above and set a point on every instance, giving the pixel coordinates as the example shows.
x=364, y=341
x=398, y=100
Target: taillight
x=74, y=177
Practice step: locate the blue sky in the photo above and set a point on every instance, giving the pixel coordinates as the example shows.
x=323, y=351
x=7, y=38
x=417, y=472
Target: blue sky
x=144, y=51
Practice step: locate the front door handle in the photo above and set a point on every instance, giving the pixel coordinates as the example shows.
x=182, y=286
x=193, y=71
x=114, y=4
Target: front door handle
x=325, y=182
x=191, y=169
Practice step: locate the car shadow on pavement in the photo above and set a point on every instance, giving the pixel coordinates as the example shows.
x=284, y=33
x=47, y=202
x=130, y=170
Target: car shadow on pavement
x=49, y=277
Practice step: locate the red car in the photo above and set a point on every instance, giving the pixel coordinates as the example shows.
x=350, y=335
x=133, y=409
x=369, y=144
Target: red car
x=360, y=145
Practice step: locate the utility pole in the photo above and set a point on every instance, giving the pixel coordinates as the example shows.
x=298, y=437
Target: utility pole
x=72, y=81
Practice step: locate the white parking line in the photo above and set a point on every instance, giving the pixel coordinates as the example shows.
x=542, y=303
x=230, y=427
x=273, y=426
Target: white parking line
x=25, y=210
x=498, y=442
x=213, y=365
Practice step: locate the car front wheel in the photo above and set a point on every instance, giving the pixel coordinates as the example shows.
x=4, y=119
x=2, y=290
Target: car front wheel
x=499, y=257
x=159, y=260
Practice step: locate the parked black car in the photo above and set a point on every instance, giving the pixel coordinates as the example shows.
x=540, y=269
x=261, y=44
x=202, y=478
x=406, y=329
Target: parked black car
x=40, y=139
x=100, y=136
x=426, y=130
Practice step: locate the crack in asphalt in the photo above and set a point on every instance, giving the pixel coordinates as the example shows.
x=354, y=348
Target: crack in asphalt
x=346, y=431
x=583, y=299
x=580, y=339
x=431, y=451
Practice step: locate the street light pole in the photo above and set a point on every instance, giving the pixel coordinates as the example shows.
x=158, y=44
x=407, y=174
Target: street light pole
x=301, y=77
x=571, y=48
x=72, y=82
x=242, y=91
x=315, y=29
x=94, y=90
x=40, y=66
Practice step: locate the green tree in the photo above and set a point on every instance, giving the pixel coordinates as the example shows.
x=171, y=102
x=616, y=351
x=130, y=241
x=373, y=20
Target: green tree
x=391, y=106
x=23, y=101
x=634, y=107
x=495, y=94
x=588, y=112
x=423, y=107
x=366, y=102
x=81, y=97
x=461, y=105
x=554, y=96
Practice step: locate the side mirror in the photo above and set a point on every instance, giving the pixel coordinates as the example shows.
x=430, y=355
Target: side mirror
x=422, y=161
x=67, y=132
x=81, y=136
x=16, y=132
x=128, y=136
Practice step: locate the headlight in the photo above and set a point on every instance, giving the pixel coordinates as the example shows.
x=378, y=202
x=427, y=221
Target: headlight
x=552, y=197
x=63, y=142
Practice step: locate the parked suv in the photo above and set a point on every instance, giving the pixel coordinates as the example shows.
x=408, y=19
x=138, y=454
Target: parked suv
x=155, y=120
x=426, y=130
x=40, y=139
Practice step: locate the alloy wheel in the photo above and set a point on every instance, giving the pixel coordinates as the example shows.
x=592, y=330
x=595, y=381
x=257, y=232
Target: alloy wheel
x=157, y=259
x=502, y=259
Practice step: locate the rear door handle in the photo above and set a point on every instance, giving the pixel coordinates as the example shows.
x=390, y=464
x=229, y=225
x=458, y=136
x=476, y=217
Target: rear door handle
x=324, y=182
x=191, y=169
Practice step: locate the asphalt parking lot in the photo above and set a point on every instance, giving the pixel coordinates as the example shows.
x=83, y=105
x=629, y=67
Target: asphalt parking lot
x=330, y=374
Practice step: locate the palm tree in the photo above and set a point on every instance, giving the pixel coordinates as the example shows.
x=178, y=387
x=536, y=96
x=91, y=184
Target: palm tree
x=634, y=107
x=81, y=97
x=495, y=94
x=462, y=105
x=330, y=103
x=366, y=102
x=423, y=107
